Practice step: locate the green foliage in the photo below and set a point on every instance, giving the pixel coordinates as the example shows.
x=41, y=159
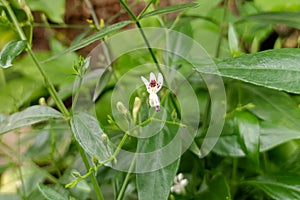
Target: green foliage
x=122, y=148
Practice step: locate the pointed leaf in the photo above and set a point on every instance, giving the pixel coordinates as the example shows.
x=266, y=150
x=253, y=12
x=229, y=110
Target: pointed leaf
x=29, y=116
x=278, y=69
x=10, y=51
x=97, y=36
x=169, y=9
x=279, y=187
x=49, y=193
x=89, y=135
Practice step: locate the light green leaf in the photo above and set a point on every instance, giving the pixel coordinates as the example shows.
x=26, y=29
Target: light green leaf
x=29, y=116
x=279, y=187
x=10, y=51
x=54, y=10
x=89, y=135
x=278, y=69
x=49, y=193
x=248, y=129
x=169, y=9
x=291, y=19
x=97, y=36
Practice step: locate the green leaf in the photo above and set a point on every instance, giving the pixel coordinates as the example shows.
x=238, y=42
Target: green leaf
x=157, y=184
x=49, y=193
x=278, y=69
x=29, y=116
x=54, y=10
x=10, y=51
x=287, y=18
x=248, y=127
x=89, y=135
x=279, y=187
x=97, y=36
x=217, y=188
x=272, y=106
x=169, y=9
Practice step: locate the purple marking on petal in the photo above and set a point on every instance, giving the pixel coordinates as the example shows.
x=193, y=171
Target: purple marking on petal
x=157, y=108
x=153, y=83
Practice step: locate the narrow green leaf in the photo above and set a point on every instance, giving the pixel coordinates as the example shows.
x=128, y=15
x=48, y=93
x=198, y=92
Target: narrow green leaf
x=279, y=187
x=90, y=136
x=157, y=184
x=288, y=18
x=97, y=36
x=248, y=127
x=278, y=69
x=10, y=51
x=169, y=9
x=29, y=116
x=49, y=193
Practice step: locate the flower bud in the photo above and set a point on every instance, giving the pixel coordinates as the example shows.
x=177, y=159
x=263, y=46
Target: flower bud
x=136, y=107
x=121, y=108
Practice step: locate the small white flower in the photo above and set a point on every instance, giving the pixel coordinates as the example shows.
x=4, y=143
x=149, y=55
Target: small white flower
x=153, y=87
x=179, y=184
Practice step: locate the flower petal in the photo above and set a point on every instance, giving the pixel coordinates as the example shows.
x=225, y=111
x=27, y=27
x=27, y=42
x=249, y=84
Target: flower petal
x=152, y=77
x=160, y=81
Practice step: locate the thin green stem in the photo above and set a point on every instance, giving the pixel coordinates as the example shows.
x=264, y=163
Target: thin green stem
x=47, y=81
x=145, y=9
x=222, y=30
x=2, y=78
x=93, y=13
x=92, y=177
x=125, y=183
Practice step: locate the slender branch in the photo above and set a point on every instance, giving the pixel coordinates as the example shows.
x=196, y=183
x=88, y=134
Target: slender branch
x=2, y=78
x=222, y=30
x=92, y=177
x=47, y=81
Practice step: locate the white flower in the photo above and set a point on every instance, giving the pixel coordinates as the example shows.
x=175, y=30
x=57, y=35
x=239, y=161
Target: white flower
x=153, y=87
x=179, y=184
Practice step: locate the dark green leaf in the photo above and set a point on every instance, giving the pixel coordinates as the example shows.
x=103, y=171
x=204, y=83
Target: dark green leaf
x=97, y=36
x=49, y=193
x=89, y=135
x=288, y=18
x=27, y=117
x=272, y=106
x=157, y=184
x=10, y=51
x=279, y=187
x=169, y=9
x=215, y=189
x=248, y=129
x=278, y=69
